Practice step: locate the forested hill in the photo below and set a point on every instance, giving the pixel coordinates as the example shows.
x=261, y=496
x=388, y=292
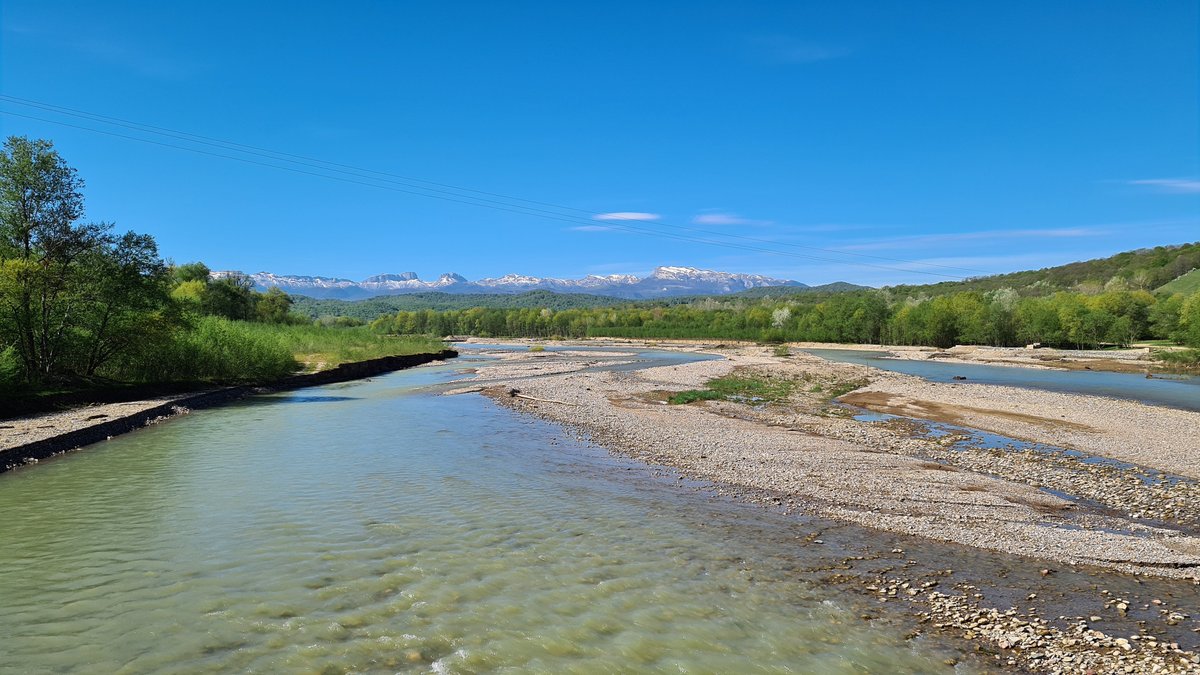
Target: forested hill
x=1144, y=269
x=787, y=291
x=372, y=308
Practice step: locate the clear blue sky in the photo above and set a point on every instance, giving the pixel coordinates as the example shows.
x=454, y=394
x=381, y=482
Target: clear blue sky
x=989, y=135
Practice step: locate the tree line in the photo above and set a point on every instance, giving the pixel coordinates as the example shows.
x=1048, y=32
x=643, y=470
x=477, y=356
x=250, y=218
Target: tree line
x=81, y=302
x=997, y=318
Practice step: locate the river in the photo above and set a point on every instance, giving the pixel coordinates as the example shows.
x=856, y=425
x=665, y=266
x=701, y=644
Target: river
x=376, y=526
x=1173, y=391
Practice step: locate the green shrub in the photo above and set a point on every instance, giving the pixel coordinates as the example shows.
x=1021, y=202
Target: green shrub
x=10, y=370
x=214, y=349
x=1188, y=359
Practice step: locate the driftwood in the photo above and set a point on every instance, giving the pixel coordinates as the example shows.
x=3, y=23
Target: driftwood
x=516, y=393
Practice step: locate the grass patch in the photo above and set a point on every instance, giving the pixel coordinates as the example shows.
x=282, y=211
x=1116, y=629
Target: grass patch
x=333, y=346
x=752, y=389
x=781, y=351
x=1186, y=284
x=693, y=395
x=840, y=387
x=537, y=348
x=222, y=351
x=1179, y=360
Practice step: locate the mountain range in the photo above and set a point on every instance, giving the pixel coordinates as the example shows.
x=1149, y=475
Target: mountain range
x=663, y=282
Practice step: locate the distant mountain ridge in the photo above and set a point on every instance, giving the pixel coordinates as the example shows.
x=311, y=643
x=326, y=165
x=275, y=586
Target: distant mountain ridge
x=663, y=282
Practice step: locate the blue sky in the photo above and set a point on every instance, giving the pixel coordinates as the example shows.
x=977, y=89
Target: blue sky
x=977, y=135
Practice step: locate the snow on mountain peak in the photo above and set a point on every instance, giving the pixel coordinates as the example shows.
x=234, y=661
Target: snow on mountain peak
x=451, y=278
x=664, y=281
x=403, y=276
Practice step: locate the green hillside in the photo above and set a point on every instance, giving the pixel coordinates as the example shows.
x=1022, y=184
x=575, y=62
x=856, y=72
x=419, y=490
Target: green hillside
x=1186, y=284
x=786, y=291
x=1148, y=268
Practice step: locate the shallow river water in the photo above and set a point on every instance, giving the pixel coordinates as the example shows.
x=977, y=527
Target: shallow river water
x=1173, y=391
x=377, y=527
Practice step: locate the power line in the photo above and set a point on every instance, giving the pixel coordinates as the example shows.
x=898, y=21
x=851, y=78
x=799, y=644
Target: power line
x=359, y=171
x=421, y=190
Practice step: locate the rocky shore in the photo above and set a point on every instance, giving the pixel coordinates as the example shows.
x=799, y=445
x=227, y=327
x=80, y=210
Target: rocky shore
x=807, y=454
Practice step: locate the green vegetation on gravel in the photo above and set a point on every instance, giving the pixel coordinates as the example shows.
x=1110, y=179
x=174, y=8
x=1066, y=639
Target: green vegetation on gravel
x=1184, y=360
x=752, y=389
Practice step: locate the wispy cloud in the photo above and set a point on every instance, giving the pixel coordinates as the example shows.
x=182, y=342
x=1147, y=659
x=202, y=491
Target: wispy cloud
x=986, y=235
x=590, y=228
x=626, y=215
x=790, y=50
x=133, y=57
x=1178, y=186
x=720, y=218
x=97, y=45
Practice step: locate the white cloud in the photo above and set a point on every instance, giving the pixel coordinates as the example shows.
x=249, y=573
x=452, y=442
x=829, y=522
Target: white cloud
x=987, y=235
x=1177, y=186
x=590, y=228
x=723, y=219
x=715, y=217
x=790, y=50
x=626, y=215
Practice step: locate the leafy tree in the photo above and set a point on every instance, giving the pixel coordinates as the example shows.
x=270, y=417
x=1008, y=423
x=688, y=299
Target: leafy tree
x=72, y=295
x=191, y=272
x=126, y=287
x=231, y=297
x=1164, y=316
x=274, y=306
x=40, y=244
x=1189, y=321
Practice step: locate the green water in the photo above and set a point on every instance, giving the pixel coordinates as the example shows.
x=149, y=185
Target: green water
x=375, y=527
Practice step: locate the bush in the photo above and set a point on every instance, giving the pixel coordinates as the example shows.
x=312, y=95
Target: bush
x=214, y=349
x=10, y=370
x=1187, y=359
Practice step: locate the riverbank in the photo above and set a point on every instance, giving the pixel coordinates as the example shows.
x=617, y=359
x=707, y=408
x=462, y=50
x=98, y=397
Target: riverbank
x=29, y=439
x=804, y=449
x=1055, y=511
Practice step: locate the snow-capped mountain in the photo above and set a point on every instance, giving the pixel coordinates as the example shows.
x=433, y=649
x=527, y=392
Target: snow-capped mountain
x=663, y=282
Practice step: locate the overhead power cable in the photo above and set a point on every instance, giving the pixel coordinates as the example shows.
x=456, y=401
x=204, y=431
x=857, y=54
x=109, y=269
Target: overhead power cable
x=383, y=175
x=419, y=187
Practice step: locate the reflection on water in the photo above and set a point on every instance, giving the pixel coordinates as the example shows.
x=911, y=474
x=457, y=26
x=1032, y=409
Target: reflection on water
x=380, y=530
x=1175, y=392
